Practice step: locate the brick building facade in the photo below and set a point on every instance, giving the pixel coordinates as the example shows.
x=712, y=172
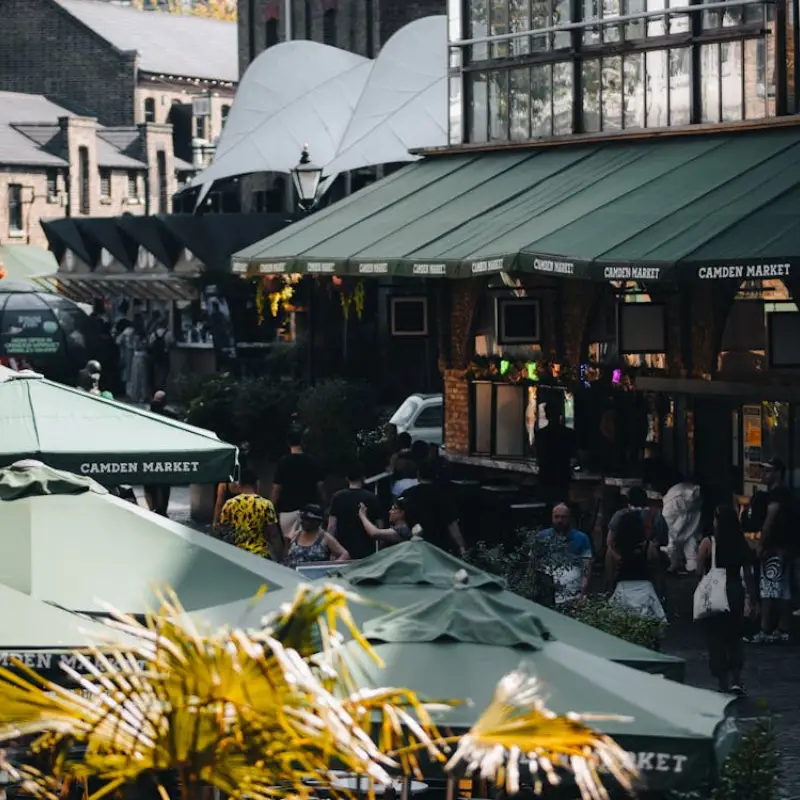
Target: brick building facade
x=360, y=26
x=122, y=66
x=54, y=164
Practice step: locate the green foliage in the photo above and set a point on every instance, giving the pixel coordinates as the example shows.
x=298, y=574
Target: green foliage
x=254, y=410
x=751, y=772
x=598, y=612
x=332, y=412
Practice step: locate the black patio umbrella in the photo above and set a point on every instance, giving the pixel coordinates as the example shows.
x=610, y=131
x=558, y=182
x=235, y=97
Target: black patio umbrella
x=44, y=330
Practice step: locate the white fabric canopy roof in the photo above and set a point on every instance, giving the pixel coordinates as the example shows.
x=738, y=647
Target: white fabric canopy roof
x=351, y=111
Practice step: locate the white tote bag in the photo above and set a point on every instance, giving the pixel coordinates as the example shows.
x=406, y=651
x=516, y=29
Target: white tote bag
x=711, y=594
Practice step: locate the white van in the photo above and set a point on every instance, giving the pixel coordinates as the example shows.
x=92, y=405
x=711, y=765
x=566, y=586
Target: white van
x=422, y=417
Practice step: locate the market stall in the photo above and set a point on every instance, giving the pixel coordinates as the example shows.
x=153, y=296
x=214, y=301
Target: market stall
x=112, y=442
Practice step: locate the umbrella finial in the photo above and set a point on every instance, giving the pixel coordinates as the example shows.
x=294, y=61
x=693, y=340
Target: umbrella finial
x=461, y=579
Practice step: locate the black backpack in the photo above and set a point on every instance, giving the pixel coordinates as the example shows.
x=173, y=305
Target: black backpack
x=158, y=347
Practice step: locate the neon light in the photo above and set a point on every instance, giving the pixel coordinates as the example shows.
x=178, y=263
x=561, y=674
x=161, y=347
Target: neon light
x=533, y=370
x=616, y=377
x=505, y=366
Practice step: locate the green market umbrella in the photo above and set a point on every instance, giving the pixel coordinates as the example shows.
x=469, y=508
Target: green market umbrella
x=459, y=644
x=406, y=573
x=67, y=541
x=112, y=442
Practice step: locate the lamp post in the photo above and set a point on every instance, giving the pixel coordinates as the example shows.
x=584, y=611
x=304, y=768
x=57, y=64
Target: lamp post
x=306, y=176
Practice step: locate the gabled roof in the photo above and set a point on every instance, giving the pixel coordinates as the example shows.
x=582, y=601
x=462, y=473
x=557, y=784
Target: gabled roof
x=168, y=44
x=15, y=146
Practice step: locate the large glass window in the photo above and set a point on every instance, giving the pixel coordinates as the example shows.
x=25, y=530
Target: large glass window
x=534, y=80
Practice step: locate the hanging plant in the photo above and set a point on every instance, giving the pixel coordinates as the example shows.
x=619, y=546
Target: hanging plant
x=278, y=290
x=345, y=299
x=359, y=298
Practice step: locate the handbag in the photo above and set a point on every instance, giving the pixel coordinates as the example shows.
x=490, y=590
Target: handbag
x=711, y=594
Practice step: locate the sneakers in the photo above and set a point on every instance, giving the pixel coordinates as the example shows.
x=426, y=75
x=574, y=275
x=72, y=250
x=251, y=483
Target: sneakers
x=776, y=637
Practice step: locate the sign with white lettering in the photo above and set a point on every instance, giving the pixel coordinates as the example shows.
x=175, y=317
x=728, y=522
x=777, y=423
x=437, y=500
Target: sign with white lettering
x=434, y=270
x=381, y=268
x=632, y=273
x=744, y=272
x=142, y=469
x=490, y=265
x=553, y=266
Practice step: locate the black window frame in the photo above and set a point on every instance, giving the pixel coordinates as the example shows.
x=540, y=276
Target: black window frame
x=133, y=185
x=149, y=109
x=51, y=178
x=16, y=209
x=578, y=52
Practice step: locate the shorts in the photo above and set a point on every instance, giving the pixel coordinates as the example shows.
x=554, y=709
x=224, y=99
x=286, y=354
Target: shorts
x=774, y=582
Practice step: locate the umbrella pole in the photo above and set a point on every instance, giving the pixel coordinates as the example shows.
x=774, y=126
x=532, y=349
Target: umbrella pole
x=406, y=786
x=450, y=789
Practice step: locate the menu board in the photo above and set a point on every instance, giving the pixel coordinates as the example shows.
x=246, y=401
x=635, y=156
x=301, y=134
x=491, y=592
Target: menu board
x=753, y=454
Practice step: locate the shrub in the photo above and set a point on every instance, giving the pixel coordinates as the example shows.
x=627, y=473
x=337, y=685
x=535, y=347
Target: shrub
x=253, y=410
x=751, y=771
x=333, y=412
x=598, y=612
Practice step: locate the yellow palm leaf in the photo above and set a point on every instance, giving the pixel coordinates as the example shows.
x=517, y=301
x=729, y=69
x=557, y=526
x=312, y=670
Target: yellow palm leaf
x=258, y=716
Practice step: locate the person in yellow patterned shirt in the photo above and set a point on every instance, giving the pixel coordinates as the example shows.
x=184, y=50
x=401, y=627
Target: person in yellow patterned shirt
x=249, y=521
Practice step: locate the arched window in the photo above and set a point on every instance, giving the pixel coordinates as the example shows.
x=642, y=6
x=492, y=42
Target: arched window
x=329, y=27
x=149, y=110
x=272, y=33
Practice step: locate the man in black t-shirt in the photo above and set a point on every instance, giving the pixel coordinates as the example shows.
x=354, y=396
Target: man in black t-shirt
x=298, y=482
x=430, y=506
x=777, y=534
x=343, y=518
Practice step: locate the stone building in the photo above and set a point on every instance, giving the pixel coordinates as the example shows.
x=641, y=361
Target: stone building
x=123, y=66
x=57, y=164
x=360, y=26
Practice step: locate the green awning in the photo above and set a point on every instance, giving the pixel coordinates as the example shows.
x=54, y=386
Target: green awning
x=694, y=207
x=81, y=549
x=415, y=571
x=112, y=442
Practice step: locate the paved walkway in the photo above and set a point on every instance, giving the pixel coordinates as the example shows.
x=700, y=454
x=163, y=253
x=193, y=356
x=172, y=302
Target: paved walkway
x=772, y=673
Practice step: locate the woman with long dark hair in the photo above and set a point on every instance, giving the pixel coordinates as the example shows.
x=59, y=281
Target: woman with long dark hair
x=725, y=631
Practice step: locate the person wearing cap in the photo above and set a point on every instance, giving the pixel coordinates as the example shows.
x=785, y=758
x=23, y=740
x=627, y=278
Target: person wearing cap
x=777, y=533
x=398, y=530
x=312, y=543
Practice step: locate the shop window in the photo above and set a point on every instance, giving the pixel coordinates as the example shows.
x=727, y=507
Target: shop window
x=509, y=324
x=743, y=348
x=506, y=417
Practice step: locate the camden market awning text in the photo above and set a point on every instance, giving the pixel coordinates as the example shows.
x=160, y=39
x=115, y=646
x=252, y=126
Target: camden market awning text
x=681, y=272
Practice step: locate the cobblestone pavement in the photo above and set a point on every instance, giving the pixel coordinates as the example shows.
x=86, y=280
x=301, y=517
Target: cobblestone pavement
x=772, y=673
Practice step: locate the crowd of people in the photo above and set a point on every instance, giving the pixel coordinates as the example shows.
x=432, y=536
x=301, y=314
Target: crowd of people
x=642, y=545
x=128, y=357
x=299, y=525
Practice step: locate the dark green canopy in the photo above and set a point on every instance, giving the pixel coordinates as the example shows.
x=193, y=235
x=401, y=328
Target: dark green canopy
x=398, y=576
x=457, y=646
x=682, y=208
x=70, y=543
x=112, y=442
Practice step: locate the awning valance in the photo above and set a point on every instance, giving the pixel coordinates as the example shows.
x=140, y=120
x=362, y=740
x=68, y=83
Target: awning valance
x=694, y=207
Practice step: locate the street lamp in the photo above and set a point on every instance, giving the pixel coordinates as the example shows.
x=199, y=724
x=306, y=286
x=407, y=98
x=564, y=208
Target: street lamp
x=306, y=176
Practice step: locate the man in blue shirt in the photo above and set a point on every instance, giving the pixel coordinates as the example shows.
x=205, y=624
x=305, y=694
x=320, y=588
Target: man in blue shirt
x=572, y=572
